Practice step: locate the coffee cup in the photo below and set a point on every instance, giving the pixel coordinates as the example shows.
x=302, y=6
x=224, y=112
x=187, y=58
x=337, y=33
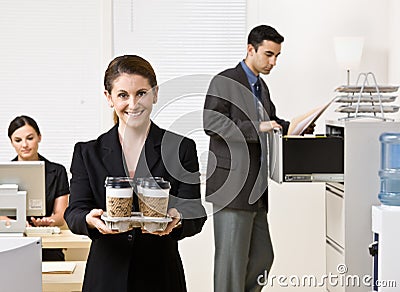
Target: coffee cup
x=153, y=197
x=119, y=196
x=139, y=188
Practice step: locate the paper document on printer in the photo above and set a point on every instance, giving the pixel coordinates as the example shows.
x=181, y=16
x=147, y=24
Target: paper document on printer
x=299, y=124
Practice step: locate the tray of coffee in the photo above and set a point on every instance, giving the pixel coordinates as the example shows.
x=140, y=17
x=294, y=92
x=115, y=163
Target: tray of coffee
x=152, y=224
x=136, y=220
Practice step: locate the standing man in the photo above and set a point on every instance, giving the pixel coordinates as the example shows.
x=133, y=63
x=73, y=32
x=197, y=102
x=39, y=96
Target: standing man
x=237, y=114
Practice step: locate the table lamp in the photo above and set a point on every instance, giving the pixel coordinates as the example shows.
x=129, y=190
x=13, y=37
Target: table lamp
x=348, y=53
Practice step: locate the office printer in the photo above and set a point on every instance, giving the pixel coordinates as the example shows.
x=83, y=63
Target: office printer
x=305, y=158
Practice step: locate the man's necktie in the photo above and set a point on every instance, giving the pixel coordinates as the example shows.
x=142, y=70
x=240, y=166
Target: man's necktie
x=263, y=143
x=260, y=107
x=257, y=89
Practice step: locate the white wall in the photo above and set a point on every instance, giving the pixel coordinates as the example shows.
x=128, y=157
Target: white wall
x=305, y=77
x=307, y=72
x=394, y=42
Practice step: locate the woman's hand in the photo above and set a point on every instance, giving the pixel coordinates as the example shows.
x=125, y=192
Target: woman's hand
x=45, y=221
x=57, y=218
x=6, y=219
x=175, y=223
x=93, y=220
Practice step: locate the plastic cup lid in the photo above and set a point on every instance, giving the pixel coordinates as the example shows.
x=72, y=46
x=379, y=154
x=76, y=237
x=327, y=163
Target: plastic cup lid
x=118, y=182
x=155, y=184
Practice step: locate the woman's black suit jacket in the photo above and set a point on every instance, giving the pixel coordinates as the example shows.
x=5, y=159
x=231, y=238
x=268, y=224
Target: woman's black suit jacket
x=133, y=261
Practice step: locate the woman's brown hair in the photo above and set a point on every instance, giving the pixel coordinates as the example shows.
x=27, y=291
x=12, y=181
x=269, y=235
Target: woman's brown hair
x=128, y=64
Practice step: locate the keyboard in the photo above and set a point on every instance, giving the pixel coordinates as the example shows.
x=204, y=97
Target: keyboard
x=41, y=230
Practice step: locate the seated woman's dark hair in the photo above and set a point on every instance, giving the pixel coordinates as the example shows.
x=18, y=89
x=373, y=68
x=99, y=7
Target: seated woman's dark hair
x=21, y=121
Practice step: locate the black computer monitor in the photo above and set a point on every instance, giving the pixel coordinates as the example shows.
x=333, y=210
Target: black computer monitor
x=30, y=177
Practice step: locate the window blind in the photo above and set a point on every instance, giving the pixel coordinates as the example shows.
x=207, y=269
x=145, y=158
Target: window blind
x=50, y=69
x=187, y=42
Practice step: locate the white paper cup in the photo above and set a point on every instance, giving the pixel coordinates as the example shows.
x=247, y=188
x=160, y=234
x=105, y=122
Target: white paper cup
x=154, y=198
x=119, y=196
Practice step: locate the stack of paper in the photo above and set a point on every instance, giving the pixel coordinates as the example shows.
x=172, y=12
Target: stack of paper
x=58, y=267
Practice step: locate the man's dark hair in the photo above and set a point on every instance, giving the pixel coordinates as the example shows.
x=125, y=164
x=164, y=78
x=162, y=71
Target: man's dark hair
x=263, y=33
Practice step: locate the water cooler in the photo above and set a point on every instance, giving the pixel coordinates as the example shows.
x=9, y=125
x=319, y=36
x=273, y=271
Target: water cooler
x=386, y=218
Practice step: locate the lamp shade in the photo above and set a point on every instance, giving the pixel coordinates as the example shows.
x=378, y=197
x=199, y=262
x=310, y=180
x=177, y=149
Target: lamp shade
x=349, y=51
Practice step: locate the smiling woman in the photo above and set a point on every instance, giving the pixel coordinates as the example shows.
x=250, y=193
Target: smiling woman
x=131, y=89
x=132, y=98
x=138, y=148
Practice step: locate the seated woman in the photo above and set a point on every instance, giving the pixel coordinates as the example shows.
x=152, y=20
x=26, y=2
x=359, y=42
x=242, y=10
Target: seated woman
x=25, y=137
x=134, y=260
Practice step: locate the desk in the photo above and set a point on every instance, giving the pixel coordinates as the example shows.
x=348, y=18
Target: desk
x=65, y=239
x=64, y=282
x=76, y=247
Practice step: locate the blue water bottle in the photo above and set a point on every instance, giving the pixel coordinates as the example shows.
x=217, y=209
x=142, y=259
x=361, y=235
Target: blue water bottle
x=390, y=169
